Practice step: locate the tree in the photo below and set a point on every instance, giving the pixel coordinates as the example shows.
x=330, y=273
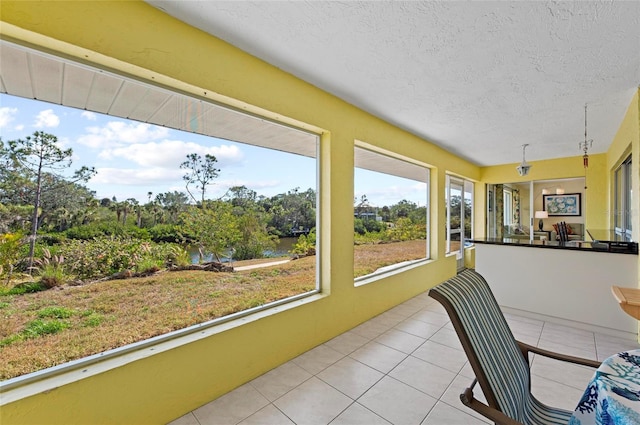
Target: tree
x=174, y=202
x=254, y=239
x=38, y=154
x=291, y=211
x=201, y=173
x=213, y=227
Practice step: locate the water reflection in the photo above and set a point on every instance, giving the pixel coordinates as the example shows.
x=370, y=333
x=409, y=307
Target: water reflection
x=282, y=249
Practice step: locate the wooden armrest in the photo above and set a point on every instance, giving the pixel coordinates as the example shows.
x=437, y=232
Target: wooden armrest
x=495, y=415
x=526, y=348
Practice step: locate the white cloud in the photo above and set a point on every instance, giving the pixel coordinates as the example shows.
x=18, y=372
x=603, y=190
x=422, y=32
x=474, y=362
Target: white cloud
x=135, y=177
x=89, y=115
x=7, y=115
x=47, y=118
x=172, y=153
x=120, y=133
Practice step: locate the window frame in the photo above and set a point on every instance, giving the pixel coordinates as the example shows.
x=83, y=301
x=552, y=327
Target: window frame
x=186, y=335
x=392, y=156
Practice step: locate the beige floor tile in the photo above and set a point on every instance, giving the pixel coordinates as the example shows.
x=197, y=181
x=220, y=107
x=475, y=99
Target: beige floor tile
x=268, y=415
x=356, y=414
x=573, y=375
x=378, y=356
x=437, y=307
x=443, y=414
x=467, y=371
x=452, y=396
x=555, y=394
x=406, y=310
x=418, y=328
x=441, y=355
x=370, y=329
x=313, y=403
x=447, y=337
x=432, y=317
x=607, y=346
x=401, y=341
x=396, y=402
x=587, y=353
x=582, y=341
x=232, y=407
x=347, y=342
x=350, y=377
x=318, y=359
x=426, y=377
x=187, y=419
x=279, y=381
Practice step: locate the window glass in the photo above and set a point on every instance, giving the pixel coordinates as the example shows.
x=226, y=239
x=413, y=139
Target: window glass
x=187, y=216
x=459, y=205
x=390, y=212
x=622, y=199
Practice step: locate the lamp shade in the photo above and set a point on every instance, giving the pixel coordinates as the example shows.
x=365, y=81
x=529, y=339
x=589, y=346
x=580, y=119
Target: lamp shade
x=541, y=214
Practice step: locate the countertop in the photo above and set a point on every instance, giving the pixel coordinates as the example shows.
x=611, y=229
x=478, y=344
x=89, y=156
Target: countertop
x=616, y=248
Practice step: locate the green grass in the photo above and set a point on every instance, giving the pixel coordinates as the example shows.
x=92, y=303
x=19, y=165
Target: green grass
x=40, y=329
x=55, y=312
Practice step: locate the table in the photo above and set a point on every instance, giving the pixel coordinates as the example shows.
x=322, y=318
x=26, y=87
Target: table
x=629, y=300
x=613, y=395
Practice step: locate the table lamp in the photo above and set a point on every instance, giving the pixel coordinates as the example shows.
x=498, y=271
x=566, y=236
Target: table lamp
x=541, y=215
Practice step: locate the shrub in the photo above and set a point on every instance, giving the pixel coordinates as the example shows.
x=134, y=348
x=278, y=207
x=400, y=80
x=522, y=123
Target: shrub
x=24, y=288
x=177, y=255
x=369, y=238
x=306, y=244
x=166, y=233
x=108, y=255
x=99, y=230
x=50, y=269
x=405, y=230
x=10, y=247
x=149, y=265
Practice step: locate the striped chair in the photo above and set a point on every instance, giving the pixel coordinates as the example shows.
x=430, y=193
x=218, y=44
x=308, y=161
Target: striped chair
x=500, y=363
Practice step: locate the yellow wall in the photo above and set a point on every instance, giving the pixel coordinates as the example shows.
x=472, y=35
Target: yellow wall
x=626, y=142
x=134, y=38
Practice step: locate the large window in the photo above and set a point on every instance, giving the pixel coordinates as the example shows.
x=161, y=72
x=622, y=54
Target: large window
x=189, y=213
x=622, y=200
x=390, y=212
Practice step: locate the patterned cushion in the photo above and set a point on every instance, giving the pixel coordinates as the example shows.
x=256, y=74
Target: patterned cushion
x=495, y=349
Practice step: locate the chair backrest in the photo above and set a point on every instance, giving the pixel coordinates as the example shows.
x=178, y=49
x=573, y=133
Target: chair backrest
x=498, y=362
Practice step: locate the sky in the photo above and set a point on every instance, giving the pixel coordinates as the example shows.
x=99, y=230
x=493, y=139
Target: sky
x=133, y=158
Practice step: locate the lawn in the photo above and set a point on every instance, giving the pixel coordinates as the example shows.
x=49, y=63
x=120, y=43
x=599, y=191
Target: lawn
x=44, y=329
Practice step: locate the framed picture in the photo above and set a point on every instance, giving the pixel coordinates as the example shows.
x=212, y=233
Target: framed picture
x=568, y=204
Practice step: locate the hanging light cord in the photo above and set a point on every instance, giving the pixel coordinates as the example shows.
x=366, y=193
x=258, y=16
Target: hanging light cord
x=585, y=147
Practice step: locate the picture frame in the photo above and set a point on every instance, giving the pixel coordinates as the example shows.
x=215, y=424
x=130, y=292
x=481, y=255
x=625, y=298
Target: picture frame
x=569, y=204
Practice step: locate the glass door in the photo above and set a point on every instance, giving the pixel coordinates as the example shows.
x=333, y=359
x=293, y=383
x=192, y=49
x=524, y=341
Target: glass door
x=459, y=203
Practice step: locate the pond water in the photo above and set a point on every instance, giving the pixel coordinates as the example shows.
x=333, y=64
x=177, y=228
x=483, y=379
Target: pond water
x=282, y=249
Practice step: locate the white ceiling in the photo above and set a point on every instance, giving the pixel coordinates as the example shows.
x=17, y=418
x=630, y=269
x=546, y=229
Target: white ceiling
x=478, y=78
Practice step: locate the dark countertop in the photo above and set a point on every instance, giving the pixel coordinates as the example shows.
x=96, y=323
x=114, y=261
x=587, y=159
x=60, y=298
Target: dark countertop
x=570, y=245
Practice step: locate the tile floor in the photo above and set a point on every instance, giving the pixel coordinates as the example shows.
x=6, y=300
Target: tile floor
x=404, y=366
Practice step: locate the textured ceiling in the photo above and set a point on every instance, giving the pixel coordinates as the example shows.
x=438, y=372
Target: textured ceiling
x=478, y=78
